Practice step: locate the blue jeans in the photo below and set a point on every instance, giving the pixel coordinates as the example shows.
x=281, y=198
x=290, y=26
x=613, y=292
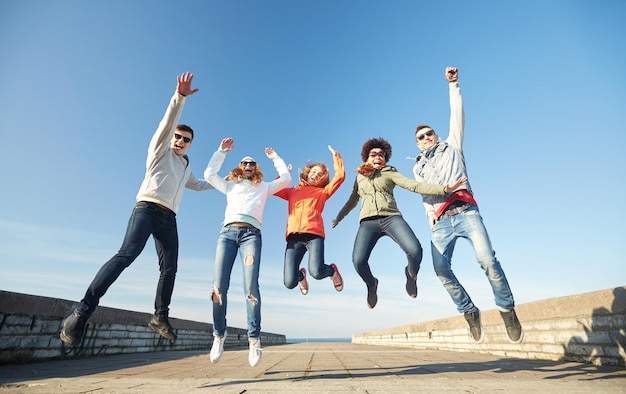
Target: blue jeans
x=247, y=241
x=469, y=225
x=297, y=246
x=147, y=219
x=371, y=230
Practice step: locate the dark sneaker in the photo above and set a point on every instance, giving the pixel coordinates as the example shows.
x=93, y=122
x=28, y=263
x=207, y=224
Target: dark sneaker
x=74, y=328
x=162, y=326
x=304, y=285
x=513, y=327
x=411, y=283
x=372, y=297
x=336, y=278
x=475, y=328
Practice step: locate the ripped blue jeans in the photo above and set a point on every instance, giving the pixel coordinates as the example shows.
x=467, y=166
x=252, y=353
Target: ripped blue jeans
x=469, y=225
x=247, y=241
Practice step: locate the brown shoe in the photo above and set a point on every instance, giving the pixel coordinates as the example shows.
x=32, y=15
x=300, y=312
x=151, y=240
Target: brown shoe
x=161, y=325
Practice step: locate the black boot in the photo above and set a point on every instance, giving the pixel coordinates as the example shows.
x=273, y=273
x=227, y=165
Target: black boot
x=372, y=297
x=411, y=283
x=74, y=328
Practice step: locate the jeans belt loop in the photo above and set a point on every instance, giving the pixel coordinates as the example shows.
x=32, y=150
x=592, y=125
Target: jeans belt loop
x=163, y=208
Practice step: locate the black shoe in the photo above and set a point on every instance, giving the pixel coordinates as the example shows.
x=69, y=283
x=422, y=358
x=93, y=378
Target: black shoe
x=476, y=329
x=514, y=330
x=372, y=297
x=411, y=283
x=162, y=326
x=74, y=328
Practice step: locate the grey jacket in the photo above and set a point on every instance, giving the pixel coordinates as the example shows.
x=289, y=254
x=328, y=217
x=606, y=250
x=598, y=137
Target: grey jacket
x=444, y=162
x=168, y=174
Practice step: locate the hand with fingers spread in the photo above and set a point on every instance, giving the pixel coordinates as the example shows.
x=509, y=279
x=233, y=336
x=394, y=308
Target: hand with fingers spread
x=184, y=84
x=455, y=185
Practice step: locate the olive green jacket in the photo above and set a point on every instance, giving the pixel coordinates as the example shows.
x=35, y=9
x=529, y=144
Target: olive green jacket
x=376, y=193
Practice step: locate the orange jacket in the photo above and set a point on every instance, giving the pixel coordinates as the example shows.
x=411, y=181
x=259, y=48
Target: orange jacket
x=306, y=203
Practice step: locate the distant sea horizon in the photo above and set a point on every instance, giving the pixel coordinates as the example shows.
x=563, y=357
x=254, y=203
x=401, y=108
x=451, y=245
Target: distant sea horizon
x=300, y=340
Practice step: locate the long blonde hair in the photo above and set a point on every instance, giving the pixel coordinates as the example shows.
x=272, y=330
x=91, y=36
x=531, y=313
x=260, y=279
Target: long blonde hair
x=237, y=175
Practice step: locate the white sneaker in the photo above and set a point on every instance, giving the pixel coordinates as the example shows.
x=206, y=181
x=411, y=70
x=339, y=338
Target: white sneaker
x=255, y=351
x=218, y=348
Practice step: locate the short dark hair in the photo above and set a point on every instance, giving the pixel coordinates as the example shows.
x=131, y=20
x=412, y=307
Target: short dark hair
x=184, y=127
x=422, y=126
x=376, y=143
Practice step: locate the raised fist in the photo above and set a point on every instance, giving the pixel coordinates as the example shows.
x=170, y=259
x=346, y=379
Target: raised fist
x=452, y=74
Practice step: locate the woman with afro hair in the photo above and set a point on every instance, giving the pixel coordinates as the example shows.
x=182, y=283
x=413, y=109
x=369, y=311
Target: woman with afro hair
x=379, y=215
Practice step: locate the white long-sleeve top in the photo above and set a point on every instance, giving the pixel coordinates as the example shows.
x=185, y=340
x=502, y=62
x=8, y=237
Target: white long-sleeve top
x=244, y=201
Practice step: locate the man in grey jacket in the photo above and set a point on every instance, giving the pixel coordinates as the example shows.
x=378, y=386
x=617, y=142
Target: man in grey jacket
x=167, y=174
x=456, y=215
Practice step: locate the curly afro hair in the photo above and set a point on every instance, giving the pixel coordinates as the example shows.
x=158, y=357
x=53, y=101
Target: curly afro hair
x=376, y=143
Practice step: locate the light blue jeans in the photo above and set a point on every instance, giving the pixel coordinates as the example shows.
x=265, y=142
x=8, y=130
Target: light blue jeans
x=247, y=241
x=469, y=225
x=371, y=230
x=297, y=246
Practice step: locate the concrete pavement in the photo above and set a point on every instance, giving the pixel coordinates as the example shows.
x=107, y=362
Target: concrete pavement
x=311, y=368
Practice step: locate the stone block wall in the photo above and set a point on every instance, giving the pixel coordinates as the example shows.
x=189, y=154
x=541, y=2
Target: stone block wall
x=30, y=325
x=589, y=327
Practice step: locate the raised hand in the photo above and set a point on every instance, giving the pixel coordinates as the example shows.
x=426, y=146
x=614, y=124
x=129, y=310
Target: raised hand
x=227, y=144
x=270, y=153
x=452, y=187
x=452, y=74
x=184, y=84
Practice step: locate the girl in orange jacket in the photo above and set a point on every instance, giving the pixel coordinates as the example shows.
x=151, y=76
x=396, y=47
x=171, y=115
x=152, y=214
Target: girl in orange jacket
x=305, y=226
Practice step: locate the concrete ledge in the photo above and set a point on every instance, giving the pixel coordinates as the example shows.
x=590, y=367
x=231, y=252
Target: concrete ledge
x=29, y=327
x=588, y=327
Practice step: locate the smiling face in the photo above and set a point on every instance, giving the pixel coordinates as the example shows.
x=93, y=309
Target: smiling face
x=317, y=175
x=181, y=141
x=426, y=137
x=377, y=158
x=248, y=167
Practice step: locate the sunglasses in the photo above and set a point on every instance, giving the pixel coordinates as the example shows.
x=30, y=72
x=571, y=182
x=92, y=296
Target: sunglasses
x=381, y=154
x=248, y=163
x=426, y=134
x=186, y=139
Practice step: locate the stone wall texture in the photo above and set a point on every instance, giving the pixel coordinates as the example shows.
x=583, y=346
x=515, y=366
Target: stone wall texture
x=589, y=328
x=30, y=326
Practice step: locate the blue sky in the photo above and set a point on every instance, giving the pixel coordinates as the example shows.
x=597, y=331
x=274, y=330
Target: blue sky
x=84, y=84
